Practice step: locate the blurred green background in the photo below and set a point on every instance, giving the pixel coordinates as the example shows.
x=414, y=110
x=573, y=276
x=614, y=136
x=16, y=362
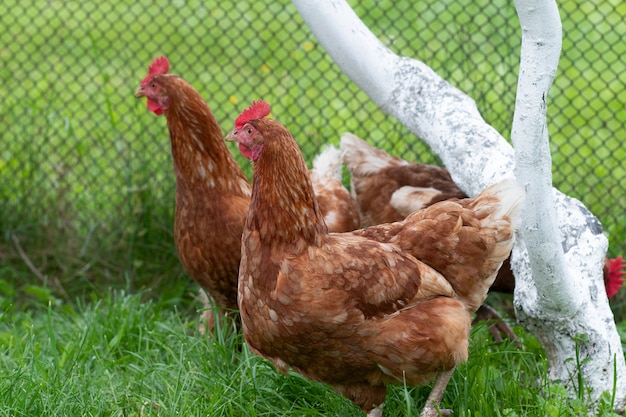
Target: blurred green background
x=87, y=188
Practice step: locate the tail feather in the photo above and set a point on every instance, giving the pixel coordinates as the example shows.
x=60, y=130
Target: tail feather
x=328, y=163
x=363, y=159
x=511, y=196
x=467, y=240
x=503, y=222
x=341, y=213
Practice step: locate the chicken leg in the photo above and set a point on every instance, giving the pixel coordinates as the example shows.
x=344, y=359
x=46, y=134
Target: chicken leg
x=431, y=409
x=496, y=325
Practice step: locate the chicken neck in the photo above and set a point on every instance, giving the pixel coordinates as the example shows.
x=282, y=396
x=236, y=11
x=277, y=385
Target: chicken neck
x=292, y=213
x=201, y=158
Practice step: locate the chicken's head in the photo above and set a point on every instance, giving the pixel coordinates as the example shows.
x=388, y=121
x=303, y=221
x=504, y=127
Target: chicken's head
x=152, y=88
x=245, y=133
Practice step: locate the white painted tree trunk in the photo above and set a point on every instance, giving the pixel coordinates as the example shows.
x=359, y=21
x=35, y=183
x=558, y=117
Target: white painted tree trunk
x=560, y=296
x=554, y=298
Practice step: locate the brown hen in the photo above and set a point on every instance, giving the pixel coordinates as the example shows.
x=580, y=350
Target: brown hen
x=357, y=310
x=388, y=189
x=212, y=192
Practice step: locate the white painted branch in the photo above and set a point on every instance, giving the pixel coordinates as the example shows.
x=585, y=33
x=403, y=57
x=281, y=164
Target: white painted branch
x=477, y=156
x=445, y=118
x=551, y=298
x=541, y=47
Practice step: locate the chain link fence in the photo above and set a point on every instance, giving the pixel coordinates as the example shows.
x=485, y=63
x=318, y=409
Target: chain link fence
x=87, y=181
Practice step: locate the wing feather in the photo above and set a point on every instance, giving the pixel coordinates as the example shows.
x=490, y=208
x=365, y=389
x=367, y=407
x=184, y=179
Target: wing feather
x=376, y=278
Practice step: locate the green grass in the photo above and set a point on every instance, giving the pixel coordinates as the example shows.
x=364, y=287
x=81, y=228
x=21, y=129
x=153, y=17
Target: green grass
x=125, y=355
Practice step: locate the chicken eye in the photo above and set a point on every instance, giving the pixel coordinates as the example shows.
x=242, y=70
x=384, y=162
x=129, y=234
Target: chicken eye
x=153, y=85
x=249, y=131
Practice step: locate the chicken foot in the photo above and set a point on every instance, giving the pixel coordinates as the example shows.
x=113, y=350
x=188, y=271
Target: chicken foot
x=377, y=411
x=431, y=409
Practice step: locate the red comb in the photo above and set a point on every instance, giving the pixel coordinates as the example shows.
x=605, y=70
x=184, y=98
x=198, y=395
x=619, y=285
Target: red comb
x=160, y=65
x=614, y=278
x=257, y=110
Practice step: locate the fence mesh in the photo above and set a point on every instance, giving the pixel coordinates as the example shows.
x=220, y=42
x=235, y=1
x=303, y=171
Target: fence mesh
x=86, y=168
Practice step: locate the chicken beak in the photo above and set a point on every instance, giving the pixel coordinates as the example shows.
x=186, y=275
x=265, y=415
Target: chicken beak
x=232, y=136
x=139, y=93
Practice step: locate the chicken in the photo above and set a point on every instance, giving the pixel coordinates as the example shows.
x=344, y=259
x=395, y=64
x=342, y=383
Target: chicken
x=388, y=189
x=389, y=304
x=213, y=193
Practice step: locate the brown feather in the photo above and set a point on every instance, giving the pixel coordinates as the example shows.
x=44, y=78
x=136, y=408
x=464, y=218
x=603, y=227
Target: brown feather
x=341, y=212
x=357, y=310
x=376, y=176
x=388, y=189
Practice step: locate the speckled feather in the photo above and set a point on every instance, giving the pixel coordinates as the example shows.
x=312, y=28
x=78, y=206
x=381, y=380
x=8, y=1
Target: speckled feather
x=388, y=189
x=376, y=177
x=356, y=310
